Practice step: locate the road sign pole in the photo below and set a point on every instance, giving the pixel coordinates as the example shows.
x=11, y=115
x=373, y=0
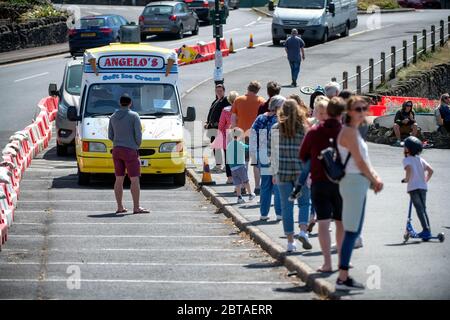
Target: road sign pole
x=218, y=31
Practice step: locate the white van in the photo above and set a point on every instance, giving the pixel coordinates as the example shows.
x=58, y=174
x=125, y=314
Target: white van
x=149, y=75
x=316, y=20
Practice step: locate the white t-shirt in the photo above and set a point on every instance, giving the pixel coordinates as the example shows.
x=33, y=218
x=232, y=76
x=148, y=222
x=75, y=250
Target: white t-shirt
x=418, y=166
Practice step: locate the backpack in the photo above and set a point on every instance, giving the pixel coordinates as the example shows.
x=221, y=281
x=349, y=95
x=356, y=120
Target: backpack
x=332, y=162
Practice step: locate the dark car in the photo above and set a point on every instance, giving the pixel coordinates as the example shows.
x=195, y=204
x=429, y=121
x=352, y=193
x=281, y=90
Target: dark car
x=95, y=31
x=203, y=8
x=234, y=4
x=420, y=4
x=168, y=17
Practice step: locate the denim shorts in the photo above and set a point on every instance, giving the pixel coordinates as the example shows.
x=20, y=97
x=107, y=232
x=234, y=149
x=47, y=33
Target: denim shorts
x=126, y=158
x=239, y=176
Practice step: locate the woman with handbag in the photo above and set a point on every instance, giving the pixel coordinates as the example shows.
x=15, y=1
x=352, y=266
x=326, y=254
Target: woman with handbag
x=212, y=123
x=359, y=176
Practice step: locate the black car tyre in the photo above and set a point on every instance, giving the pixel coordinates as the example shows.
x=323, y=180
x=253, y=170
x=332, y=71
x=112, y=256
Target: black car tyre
x=180, y=34
x=61, y=150
x=179, y=179
x=143, y=37
x=196, y=29
x=276, y=42
x=83, y=178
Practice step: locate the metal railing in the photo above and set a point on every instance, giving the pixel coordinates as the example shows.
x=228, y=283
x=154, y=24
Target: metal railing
x=404, y=61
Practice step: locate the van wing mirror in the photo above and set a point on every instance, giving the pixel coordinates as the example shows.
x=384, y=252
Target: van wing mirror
x=190, y=114
x=53, y=90
x=271, y=6
x=72, y=114
x=332, y=8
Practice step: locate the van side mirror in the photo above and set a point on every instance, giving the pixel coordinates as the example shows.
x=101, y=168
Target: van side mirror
x=271, y=5
x=53, y=90
x=332, y=8
x=190, y=114
x=72, y=114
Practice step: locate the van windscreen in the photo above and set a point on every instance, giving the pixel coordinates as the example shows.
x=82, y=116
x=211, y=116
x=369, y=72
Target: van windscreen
x=147, y=99
x=302, y=4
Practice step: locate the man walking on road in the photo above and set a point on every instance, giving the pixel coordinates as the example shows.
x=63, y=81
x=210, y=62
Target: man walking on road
x=125, y=131
x=294, y=47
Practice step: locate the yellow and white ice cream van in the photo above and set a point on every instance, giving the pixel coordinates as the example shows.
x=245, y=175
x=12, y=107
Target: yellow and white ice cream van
x=149, y=76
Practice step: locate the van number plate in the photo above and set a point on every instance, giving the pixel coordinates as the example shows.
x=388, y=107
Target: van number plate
x=144, y=163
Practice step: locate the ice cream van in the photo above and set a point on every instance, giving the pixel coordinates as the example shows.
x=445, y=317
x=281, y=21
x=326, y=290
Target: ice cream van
x=149, y=76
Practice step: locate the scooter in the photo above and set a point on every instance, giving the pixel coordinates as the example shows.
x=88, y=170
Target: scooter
x=411, y=233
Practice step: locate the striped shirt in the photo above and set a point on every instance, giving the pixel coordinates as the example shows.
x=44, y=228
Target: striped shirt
x=284, y=155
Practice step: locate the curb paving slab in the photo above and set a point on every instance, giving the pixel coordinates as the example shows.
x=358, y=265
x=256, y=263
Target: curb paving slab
x=305, y=272
x=33, y=53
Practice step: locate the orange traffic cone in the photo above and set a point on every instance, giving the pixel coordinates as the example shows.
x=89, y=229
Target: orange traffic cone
x=231, y=47
x=250, y=45
x=206, y=177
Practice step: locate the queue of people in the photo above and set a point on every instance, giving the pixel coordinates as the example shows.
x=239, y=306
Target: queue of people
x=282, y=139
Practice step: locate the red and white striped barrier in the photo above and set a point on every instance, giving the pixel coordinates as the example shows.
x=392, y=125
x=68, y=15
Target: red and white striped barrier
x=3, y=224
x=6, y=177
x=22, y=140
x=6, y=205
x=50, y=104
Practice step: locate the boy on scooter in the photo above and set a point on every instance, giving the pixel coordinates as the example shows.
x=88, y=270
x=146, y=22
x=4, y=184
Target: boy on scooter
x=415, y=167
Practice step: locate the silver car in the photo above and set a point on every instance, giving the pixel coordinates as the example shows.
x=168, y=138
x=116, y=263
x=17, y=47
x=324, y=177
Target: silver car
x=69, y=95
x=168, y=17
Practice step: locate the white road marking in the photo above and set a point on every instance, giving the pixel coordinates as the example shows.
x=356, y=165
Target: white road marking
x=31, y=77
x=120, y=223
x=368, y=30
x=143, y=264
x=253, y=22
x=232, y=30
x=134, y=250
x=140, y=281
x=95, y=236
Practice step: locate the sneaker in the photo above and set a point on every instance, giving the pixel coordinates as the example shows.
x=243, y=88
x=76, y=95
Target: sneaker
x=349, y=284
x=240, y=200
x=263, y=218
x=257, y=191
x=251, y=196
x=291, y=247
x=303, y=238
x=358, y=243
x=279, y=217
x=397, y=143
x=333, y=246
x=425, y=235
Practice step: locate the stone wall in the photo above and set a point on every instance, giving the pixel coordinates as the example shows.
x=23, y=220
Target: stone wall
x=429, y=84
x=34, y=33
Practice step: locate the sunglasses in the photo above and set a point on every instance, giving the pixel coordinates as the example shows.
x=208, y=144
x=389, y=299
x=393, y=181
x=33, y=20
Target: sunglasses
x=360, y=109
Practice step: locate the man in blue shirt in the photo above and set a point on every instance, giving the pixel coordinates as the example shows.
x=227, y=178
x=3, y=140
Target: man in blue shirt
x=444, y=112
x=295, y=49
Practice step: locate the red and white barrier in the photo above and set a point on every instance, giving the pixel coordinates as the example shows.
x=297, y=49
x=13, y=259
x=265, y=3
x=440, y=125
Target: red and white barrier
x=6, y=205
x=22, y=140
x=50, y=104
x=11, y=186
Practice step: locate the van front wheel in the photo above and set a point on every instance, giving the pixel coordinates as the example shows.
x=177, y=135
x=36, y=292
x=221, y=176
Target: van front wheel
x=325, y=36
x=179, y=179
x=346, y=32
x=276, y=42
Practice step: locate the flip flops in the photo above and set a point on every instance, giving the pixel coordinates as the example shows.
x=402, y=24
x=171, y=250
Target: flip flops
x=141, y=210
x=122, y=211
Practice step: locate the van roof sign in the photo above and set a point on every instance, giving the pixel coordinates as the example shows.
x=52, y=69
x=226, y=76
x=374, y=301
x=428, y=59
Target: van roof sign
x=142, y=62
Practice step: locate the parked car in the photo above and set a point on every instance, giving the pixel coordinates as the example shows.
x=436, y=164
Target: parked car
x=203, y=8
x=234, y=4
x=420, y=4
x=69, y=95
x=168, y=17
x=95, y=31
x=316, y=20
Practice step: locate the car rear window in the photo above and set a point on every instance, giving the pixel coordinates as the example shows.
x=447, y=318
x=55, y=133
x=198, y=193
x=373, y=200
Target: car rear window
x=92, y=22
x=155, y=10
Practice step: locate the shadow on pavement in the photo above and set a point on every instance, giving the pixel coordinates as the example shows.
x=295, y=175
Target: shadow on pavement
x=262, y=265
x=401, y=244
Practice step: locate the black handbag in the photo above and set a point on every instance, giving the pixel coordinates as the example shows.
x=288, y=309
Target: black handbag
x=332, y=163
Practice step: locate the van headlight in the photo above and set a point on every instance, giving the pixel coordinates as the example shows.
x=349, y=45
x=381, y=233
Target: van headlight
x=315, y=22
x=89, y=146
x=169, y=147
x=277, y=20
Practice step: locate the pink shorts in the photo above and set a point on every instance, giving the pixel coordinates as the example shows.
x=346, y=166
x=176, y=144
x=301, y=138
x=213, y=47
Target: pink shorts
x=126, y=158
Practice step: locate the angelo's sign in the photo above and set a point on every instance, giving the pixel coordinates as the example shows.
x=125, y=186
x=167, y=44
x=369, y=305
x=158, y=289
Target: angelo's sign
x=130, y=62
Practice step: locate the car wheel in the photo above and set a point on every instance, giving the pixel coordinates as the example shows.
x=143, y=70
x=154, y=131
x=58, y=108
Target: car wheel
x=61, y=150
x=196, y=29
x=276, y=42
x=325, y=37
x=180, y=34
x=83, y=178
x=179, y=179
x=143, y=37
x=346, y=32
